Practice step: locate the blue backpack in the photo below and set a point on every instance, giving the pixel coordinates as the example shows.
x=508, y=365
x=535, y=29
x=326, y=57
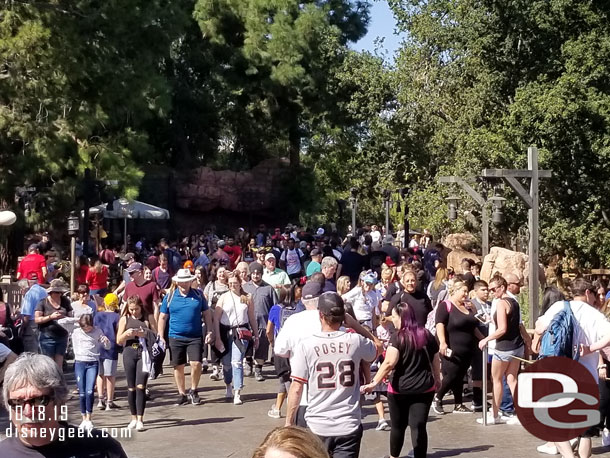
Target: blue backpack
x=557, y=339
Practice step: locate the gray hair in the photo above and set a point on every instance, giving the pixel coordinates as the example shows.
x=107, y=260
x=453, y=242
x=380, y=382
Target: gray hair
x=328, y=261
x=311, y=304
x=39, y=371
x=23, y=284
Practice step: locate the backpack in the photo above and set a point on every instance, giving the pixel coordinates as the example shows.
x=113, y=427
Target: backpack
x=558, y=338
x=287, y=311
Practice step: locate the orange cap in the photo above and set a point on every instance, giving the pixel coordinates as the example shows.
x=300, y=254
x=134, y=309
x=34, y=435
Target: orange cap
x=189, y=265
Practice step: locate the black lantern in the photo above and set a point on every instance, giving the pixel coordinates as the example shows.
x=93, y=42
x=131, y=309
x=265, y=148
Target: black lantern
x=497, y=215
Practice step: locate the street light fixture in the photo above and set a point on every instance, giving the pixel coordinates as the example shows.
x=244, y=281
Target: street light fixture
x=353, y=199
x=73, y=228
x=453, y=207
x=497, y=215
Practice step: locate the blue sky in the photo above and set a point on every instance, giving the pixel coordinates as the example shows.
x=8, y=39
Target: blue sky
x=382, y=25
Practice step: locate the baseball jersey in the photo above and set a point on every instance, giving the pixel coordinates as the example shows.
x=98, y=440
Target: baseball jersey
x=329, y=362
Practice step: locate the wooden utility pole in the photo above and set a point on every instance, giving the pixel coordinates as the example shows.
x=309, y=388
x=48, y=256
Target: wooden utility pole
x=531, y=200
x=479, y=199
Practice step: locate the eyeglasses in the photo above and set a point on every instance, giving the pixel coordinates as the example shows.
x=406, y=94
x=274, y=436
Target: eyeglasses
x=36, y=401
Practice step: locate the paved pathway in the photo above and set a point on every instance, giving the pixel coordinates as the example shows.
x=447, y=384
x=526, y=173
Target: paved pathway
x=218, y=429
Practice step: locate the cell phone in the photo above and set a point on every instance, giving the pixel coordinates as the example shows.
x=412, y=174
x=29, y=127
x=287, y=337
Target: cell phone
x=449, y=352
x=481, y=317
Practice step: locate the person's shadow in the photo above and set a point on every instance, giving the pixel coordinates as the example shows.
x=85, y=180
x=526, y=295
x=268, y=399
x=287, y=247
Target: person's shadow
x=440, y=453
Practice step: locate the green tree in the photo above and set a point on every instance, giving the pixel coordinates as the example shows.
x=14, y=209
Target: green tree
x=277, y=58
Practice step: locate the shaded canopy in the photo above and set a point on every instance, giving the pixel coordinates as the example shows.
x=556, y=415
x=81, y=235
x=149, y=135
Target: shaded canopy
x=134, y=209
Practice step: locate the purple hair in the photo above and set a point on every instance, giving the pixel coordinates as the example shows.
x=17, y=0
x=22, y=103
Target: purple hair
x=410, y=334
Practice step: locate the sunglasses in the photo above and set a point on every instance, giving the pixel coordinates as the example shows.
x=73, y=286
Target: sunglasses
x=37, y=401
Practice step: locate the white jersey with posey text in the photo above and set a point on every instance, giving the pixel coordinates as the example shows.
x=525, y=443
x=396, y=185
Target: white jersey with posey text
x=329, y=362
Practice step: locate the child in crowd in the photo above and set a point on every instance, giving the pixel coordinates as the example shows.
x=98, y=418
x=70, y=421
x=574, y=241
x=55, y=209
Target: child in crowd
x=383, y=331
x=107, y=321
x=87, y=341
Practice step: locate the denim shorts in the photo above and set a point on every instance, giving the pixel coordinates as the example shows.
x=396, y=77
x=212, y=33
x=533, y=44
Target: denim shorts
x=51, y=346
x=507, y=356
x=108, y=367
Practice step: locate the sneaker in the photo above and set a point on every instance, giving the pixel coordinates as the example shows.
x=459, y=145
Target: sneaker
x=513, y=421
x=83, y=424
x=461, y=408
x=479, y=408
x=491, y=420
x=274, y=412
x=382, y=425
x=548, y=449
x=87, y=424
x=111, y=405
x=182, y=400
x=237, y=399
x=204, y=366
x=215, y=375
x=148, y=395
x=132, y=424
x=606, y=437
x=437, y=406
x=506, y=415
x=139, y=426
x=194, y=398
x=258, y=374
x=101, y=404
x=229, y=392
x=248, y=370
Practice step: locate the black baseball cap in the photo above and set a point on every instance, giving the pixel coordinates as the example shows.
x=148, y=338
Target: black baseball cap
x=331, y=304
x=311, y=290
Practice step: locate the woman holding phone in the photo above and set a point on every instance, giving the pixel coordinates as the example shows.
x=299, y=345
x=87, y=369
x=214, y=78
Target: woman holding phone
x=458, y=334
x=133, y=331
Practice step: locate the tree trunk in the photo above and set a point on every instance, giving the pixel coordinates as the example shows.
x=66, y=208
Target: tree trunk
x=294, y=137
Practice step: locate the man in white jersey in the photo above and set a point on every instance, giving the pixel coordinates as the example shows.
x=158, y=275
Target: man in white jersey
x=303, y=325
x=329, y=363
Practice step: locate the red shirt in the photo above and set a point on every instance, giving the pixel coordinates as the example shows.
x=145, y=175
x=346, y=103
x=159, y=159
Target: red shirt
x=81, y=275
x=32, y=264
x=97, y=280
x=148, y=294
x=234, y=253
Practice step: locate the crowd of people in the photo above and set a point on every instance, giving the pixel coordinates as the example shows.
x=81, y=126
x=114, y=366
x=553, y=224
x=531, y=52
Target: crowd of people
x=344, y=321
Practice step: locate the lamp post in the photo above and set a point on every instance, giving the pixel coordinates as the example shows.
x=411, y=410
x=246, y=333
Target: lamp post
x=404, y=193
x=387, y=195
x=353, y=199
x=341, y=206
x=73, y=227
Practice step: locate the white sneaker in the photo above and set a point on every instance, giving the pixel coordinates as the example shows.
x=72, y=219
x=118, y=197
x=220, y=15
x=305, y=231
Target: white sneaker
x=606, y=437
x=237, y=399
x=132, y=424
x=382, y=425
x=215, y=375
x=229, y=392
x=101, y=404
x=491, y=420
x=139, y=426
x=548, y=449
x=274, y=412
x=513, y=421
x=83, y=425
x=89, y=425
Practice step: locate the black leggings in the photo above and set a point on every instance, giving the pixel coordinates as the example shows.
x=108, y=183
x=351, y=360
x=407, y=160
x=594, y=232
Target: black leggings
x=604, y=400
x=409, y=410
x=454, y=370
x=136, y=380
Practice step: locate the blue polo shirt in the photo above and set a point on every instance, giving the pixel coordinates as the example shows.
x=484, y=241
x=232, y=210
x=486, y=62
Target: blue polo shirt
x=184, y=314
x=31, y=299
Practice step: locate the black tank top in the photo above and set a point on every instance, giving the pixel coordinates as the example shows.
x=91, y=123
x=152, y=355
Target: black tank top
x=511, y=340
x=134, y=323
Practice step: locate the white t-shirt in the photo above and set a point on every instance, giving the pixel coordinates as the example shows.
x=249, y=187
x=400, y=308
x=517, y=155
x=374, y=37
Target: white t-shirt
x=376, y=236
x=592, y=327
x=234, y=311
x=292, y=260
x=364, y=305
x=295, y=329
